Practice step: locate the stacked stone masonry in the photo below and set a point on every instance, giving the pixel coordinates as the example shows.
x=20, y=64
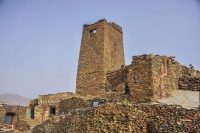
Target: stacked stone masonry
x=141, y=118
x=103, y=78
x=100, y=119
x=101, y=51
x=142, y=78
x=18, y=114
x=189, y=83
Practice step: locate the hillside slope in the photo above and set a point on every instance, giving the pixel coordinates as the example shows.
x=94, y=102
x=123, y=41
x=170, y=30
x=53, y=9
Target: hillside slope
x=13, y=99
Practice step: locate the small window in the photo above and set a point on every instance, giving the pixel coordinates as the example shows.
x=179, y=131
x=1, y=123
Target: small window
x=93, y=32
x=95, y=104
x=52, y=110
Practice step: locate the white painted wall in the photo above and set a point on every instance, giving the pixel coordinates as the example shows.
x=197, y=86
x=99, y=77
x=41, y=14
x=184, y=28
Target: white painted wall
x=188, y=99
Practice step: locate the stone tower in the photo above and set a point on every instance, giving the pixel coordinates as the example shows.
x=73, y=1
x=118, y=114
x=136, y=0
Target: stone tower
x=101, y=51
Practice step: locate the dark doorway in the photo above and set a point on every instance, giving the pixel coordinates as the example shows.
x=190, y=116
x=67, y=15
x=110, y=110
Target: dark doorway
x=127, y=91
x=8, y=119
x=52, y=110
x=32, y=114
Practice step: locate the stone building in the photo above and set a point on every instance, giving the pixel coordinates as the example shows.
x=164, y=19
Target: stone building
x=103, y=78
x=12, y=116
x=101, y=68
x=101, y=51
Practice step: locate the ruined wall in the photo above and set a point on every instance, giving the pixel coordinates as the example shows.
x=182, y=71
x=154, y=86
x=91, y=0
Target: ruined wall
x=174, y=72
x=142, y=79
x=190, y=71
x=3, y=107
x=191, y=83
x=101, y=51
x=33, y=102
x=139, y=79
x=42, y=110
x=116, y=80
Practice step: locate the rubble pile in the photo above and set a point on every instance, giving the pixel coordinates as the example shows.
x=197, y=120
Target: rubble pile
x=189, y=83
x=33, y=102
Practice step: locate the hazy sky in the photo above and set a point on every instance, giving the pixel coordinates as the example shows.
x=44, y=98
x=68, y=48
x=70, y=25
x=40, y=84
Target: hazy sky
x=40, y=39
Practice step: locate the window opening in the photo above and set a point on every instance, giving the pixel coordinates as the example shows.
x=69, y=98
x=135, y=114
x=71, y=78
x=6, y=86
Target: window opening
x=93, y=32
x=95, y=104
x=52, y=110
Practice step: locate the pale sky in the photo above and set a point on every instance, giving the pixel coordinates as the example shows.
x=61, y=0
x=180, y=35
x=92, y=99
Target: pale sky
x=40, y=40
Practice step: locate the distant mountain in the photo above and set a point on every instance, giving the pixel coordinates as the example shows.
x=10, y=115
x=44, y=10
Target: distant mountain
x=13, y=99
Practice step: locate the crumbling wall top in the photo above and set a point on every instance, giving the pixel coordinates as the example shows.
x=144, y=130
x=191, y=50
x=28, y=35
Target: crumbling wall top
x=114, y=25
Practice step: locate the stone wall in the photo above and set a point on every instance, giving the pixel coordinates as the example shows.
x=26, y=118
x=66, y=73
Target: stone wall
x=117, y=80
x=139, y=79
x=72, y=103
x=45, y=102
x=22, y=125
x=100, y=119
x=174, y=72
x=101, y=51
x=20, y=111
x=185, y=98
x=170, y=119
x=3, y=107
x=142, y=118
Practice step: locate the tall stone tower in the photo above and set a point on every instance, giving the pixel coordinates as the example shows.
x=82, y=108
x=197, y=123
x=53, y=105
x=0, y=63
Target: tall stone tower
x=101, y=51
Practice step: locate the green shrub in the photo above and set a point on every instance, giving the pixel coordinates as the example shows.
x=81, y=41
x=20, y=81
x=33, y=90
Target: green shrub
x=126, y=102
